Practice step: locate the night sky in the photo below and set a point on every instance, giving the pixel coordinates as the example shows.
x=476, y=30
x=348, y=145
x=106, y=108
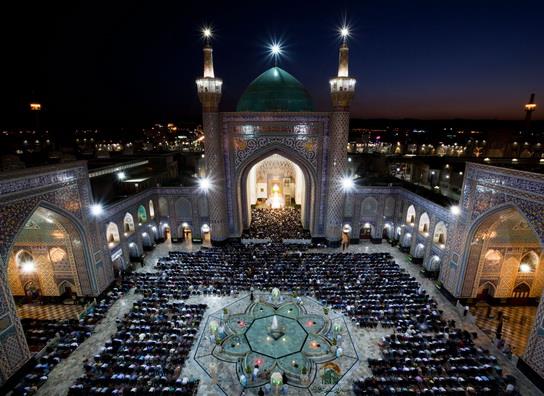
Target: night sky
x=123, y=63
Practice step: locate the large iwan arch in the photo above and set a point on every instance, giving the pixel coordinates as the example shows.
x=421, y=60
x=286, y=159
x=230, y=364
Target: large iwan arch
x=309, y=179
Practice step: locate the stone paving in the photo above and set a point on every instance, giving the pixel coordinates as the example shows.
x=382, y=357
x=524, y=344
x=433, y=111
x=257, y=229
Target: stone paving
x=366, y=340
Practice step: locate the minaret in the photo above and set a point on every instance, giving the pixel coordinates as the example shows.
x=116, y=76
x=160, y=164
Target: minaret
x=342, y=91
x=209, y=93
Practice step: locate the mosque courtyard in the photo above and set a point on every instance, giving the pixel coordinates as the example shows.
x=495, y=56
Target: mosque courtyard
x=218, y=373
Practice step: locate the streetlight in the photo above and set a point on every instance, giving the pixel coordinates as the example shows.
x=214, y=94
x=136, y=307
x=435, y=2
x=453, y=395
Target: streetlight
x=347, y=183
x=455, y=210
x=96, y=209
x=204, y=184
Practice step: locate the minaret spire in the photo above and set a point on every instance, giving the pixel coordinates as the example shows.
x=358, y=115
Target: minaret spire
x=342, y=86
x=208, y=53
x=208, y=86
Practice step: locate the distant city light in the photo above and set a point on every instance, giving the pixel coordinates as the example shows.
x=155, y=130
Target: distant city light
x=455, y=210
x=35, y=106
x=96, y=209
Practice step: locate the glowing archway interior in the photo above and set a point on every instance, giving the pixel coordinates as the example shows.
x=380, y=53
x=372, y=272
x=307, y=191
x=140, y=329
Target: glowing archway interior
x=276, y=182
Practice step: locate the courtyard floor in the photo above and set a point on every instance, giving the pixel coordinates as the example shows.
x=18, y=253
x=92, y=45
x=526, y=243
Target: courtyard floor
x=365, y=340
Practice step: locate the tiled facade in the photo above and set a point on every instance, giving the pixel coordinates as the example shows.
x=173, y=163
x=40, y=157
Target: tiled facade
x=489, y=191
x=64, y=190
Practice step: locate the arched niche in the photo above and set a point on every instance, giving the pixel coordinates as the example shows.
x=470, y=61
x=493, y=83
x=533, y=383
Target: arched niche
x=505, y=227
x=151, y=209
x=128, y=223
x=486, y=290
x=133, y=251
x=142, y=214
x=522, y=290
x=367, y=231
x=388, y=231
x=419, y=251
x=492, y=261
x=184, y=209
x=163, y=207
x=424, y=224
x=369, y=207
x=389, y=207
x=440, y=234
x=529, y=262
x=112, y=233
x=305, y=174
x=411, y=215
x=434, y=264
x=406, y=240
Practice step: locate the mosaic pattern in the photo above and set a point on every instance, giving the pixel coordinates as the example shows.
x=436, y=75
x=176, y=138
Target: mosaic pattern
x=306, y=147
x=65, y=191
x=337, y=169
x=215, y=168
x=305, y=343
x=486, y=191
x=249, y=137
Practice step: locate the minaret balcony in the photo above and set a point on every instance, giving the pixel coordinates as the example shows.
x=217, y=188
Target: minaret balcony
x=209, y=85
x=342, y=84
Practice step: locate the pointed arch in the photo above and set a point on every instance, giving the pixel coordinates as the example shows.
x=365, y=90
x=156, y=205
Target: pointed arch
x=151, y=206
x=411, y=215
x=529, y=262
x=310, y=182
x=440, y=234
x=142, y=214
x=369, y=207
x=112, y=233
x=163, y=207
x=128, y=223
x=184, y=209
x=487, y=289
x=478, y=233
x=419, y=251
x=424, y=223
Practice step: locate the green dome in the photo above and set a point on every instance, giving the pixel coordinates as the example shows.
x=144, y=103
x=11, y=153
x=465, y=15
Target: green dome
x=275, y=90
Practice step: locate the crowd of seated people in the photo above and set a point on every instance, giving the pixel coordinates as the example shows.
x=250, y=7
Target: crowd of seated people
x=39, y=332
x=370, y=288
x=425, y=355
x=276, y=224
x=67, y=335
x=445, y=362
x=147, y=353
